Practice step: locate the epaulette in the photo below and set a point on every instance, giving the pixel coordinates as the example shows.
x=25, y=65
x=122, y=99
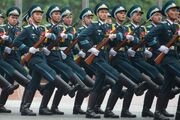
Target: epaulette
x=94, y=21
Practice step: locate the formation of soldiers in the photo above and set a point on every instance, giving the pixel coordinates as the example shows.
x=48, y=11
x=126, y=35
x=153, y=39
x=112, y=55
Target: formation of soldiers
x=109, y=56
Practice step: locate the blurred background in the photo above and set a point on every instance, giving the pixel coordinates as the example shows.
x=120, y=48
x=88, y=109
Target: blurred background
x=78, y=5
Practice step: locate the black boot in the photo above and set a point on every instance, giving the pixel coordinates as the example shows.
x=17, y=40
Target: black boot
x=91, y=103
x=7, y=87
x=99, y=101
x=109, y=80
x=159, y=107
x=110, y=105
x=57, y=98
x=78, y=102
x=126, y=104
x=164, y=112
x=3, y=98
x=148, y=100
x=61, y=84
x=26, y=103
x=174, y=92
x=44, y=110
x=150, y=84
x=178, y=110
x=88, y=81
x=21, y=79
x=76, y=80
x=131, y=85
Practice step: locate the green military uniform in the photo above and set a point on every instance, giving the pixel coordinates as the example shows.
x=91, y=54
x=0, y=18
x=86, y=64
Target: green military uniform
x=37, y=64
x=164, y=33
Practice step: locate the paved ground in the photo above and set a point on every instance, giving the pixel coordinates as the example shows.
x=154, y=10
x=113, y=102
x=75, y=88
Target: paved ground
x=67, y=105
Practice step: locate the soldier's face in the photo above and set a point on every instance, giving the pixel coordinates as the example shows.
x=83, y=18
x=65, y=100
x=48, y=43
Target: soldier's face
x=121, y=16
x=13, y=19
x=156, y=18
x=172, y=14
x=67, y=20
x=88, y=19
x=55, y=16
x=137, y=16
x=109, y=20
x=37, y=17
x=102, y=14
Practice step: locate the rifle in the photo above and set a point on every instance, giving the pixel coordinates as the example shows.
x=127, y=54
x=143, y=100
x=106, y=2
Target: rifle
x=123, y=43
x=91, y=57
x=41, y=40
x=161, y=56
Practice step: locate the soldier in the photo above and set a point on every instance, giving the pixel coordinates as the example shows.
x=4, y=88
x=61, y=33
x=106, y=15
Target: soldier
x=95, y=33
x=54, y=60
x=11, y=54
x=164, y=32
x=37, y=64
x=67, y=35
x=137, y=59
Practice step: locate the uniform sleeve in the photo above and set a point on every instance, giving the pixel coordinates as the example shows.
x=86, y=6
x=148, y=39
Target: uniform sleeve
x=84, y=37
x=151, y=36
x=20, y=41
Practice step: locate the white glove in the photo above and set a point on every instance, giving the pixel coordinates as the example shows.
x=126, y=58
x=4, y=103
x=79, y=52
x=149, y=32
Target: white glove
x=50, y=36
x=130, y=37
x=46, y=51
x=112, y=36
x=148, y=53
x=5, y=37
x=112, y=52
x=164, y=49
x=63, y=35
x=7, y=50
x=63, y=55
x=179, y=32
x=131, y=52
x=82, y=54
x=94, y=51
x=33, y=50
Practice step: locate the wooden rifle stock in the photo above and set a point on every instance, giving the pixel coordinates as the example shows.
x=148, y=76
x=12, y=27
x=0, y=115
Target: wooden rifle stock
x=161, y=56
x=36, y=45
x=68, y=49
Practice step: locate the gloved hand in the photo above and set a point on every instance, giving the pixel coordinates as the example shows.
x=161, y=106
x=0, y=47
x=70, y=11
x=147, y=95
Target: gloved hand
x=131, y=52
x=63, y=55
x=112, y=36
x=51, y=36
x=130, y=37
x=164, y=49
x=81, y=54
x=112, y=52
x=7, y=50
x=33, y=50
x=179, y=32
x=63, y=35
x=94, y=51
x=5, y=37
x=46, y=51
x=148, y=53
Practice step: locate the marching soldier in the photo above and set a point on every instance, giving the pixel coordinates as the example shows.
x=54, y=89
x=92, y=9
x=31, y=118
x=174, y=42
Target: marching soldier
x=95, y=33
x=164, y=32
x=11, y=54
x=137, y=59
x=37, y=64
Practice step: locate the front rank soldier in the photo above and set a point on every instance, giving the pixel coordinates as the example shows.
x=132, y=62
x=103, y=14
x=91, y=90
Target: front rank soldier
x=164, y=32
x=54, y=60
x=37, y=64
x=91, y=37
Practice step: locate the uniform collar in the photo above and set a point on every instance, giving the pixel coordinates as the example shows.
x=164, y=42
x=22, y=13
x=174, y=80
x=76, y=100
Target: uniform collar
x=169, y=21
x=35, y=26
x=10, y=26
x=85, y=26
x=153, y=24
x=101, y=22
x=135, y=25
